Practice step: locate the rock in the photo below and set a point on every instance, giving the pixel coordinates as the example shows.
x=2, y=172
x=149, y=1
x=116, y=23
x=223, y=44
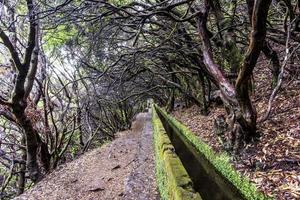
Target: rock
x=96, y=189
x=116, y=167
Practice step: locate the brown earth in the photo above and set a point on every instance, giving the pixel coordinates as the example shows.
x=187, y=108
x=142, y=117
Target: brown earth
x=111, y=172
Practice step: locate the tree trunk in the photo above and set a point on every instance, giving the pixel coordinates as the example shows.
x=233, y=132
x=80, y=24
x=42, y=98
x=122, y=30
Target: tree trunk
x=272, y=55
x=227, y=38
x=241, y=113
x=267, y=49
x=26, y=71
x=203, y=93
x=44, y=155
x=258, y=34
x=31, y=140
x=171, y=100
x=21, y=178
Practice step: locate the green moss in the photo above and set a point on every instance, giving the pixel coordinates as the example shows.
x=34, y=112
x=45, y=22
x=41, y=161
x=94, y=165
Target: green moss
x=161, y=177
x=220, y=162
x=172, y=178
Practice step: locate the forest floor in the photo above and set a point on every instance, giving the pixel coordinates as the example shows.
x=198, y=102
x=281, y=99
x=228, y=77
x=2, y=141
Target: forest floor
x=122, y=169
x=273, y=162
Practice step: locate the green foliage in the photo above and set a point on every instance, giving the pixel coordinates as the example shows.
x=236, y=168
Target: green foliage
x=21, y=8
x=59, y=36
x=120, y=2
x=74, y=148
x=220, y=162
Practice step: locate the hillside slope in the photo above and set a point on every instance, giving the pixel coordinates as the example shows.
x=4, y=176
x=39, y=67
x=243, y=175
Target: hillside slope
x=272, y=162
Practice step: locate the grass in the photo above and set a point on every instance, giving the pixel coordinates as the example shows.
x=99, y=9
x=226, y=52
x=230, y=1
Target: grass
x=220, y=162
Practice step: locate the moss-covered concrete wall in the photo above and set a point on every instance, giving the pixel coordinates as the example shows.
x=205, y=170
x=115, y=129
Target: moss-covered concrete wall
x=219, y=162
x=172, y=178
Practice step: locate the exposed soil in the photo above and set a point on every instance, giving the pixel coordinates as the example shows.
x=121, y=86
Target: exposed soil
x=272, y=163
x=122, y=169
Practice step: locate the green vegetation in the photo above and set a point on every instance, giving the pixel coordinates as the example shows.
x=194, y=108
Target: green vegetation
x=172, y=178
x=55, y=38
x=220, y=162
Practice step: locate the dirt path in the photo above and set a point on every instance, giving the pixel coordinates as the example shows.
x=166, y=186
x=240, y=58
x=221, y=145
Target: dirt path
x=122, y=169
x=141, y=182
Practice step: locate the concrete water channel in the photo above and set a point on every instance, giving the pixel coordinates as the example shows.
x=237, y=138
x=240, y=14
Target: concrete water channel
x=210, y=184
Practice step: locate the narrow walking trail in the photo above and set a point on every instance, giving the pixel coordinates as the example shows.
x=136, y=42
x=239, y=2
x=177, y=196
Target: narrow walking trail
x=122, y=169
